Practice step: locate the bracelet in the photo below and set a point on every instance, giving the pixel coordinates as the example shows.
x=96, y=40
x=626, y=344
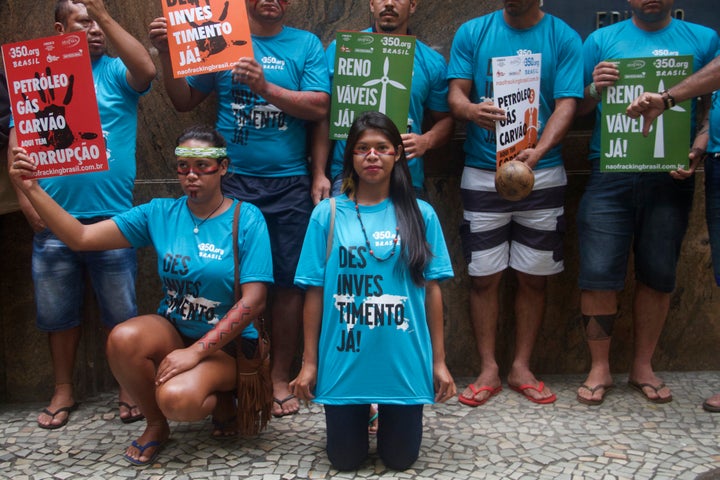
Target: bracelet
x=592, y=91
x=668, y=100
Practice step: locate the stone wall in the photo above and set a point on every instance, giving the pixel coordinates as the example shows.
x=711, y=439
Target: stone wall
x=688, y=343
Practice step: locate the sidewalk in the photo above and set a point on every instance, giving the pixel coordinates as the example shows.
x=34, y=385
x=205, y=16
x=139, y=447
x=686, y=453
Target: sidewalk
x=508, y=438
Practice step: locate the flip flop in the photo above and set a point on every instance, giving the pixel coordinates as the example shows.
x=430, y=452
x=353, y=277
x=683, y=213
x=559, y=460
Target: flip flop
x=592, y=390
x=710, y=408
x=69, y=410
x=142, y=448
x=372, y=421
x=639, y=387
x=281, y=402
x=224, y=426
x=522, y=390
x=131, y=418
x=471, y=402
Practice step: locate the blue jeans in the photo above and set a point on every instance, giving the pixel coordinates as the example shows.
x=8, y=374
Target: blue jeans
x=58, y=275
x=712, y=209
x=649, y=211
x=398, y=438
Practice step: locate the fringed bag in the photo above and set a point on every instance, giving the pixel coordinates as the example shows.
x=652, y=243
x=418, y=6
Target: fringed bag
x=254, y=387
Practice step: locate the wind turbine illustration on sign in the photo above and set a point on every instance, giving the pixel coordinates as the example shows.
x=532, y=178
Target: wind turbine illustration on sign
x=660, y=127
x=384, y=80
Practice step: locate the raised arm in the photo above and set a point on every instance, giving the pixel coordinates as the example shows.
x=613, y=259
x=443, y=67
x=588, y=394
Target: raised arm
x=103, y=235
x=141, y=69
x=183, y=97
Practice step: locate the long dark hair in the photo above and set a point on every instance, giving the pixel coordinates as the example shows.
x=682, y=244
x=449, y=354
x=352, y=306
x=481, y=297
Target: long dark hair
x=411, y=225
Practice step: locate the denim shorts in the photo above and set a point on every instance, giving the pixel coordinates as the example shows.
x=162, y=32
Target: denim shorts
x=712, y=209
x=649, y=211
x=286, y=204
x=59, y=274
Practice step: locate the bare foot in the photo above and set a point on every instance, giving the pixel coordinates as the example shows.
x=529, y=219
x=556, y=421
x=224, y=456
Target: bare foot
x=224, y=418
x=57, y=413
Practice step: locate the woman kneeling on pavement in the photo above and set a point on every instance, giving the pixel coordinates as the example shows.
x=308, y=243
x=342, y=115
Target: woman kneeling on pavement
x=178, y=364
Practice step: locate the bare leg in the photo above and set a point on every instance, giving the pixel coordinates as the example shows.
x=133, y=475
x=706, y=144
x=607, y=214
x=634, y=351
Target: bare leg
x=484, y=315
x=134, y=349
x=63, y=349
x=650, y=309
x=598, y=303
x=124, y=399
x=529, y=312
x=286, y=311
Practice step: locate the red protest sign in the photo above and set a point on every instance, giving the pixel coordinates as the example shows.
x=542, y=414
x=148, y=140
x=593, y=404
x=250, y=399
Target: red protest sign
x=52, y=94
x=206, y=38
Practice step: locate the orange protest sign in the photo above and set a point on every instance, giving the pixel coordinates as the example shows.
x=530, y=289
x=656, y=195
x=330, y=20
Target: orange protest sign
x=206, y=36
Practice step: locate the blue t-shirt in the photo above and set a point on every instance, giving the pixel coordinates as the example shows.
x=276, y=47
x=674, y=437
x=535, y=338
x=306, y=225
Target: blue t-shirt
x=714, y=141
x=374, y=342
x=263, y=141
x=625, y=40
x=428, y=92
x=106, y=193
x=196, y=270
x=479, y=40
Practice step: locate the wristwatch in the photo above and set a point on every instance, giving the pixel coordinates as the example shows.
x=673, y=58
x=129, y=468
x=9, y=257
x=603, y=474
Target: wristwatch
x=668, y=100
x=592, y=91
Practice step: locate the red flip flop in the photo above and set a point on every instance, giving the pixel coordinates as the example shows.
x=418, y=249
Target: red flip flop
x=471, y=402
x=522, y=390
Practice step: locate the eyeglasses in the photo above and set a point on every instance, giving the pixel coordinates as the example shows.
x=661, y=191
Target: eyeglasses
x=199, y=169
x=364, y=151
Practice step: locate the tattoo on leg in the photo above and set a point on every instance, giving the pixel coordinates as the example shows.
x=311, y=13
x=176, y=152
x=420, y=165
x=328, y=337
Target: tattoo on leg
x=599, y=327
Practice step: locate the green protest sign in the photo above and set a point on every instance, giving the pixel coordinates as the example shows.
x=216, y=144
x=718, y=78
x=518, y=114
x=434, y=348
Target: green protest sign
x=623, y=148
x=372, y=72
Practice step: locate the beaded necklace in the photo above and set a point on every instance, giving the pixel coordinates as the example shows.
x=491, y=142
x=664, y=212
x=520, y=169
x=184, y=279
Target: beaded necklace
x=367, y=241
x=198, y=225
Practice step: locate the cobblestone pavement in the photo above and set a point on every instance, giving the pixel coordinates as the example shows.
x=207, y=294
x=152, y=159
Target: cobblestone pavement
x=508, y=438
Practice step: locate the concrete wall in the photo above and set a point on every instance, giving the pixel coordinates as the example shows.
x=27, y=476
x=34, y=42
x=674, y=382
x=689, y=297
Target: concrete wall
x=689, y=342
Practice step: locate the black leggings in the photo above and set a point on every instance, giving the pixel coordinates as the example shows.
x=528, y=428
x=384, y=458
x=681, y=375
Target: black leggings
x=398, y=438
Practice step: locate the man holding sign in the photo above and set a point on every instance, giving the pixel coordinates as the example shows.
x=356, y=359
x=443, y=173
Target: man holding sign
x=525, y=235
x=91, y=197
x=646, y=209
x=428, y=93
x=264, y=106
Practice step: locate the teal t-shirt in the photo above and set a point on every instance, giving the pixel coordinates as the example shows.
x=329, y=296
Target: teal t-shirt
x=479, y=40
x=196, y=270
x=374, y=342
x=262, y=140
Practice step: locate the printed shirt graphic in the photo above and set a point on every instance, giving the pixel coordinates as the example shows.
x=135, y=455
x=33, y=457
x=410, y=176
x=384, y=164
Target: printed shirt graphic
x=429, y=91
x=480, y=39
x=263, y=141
x=196, y=270
x=625, y=40
x=374, y=343
x=110, y=192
